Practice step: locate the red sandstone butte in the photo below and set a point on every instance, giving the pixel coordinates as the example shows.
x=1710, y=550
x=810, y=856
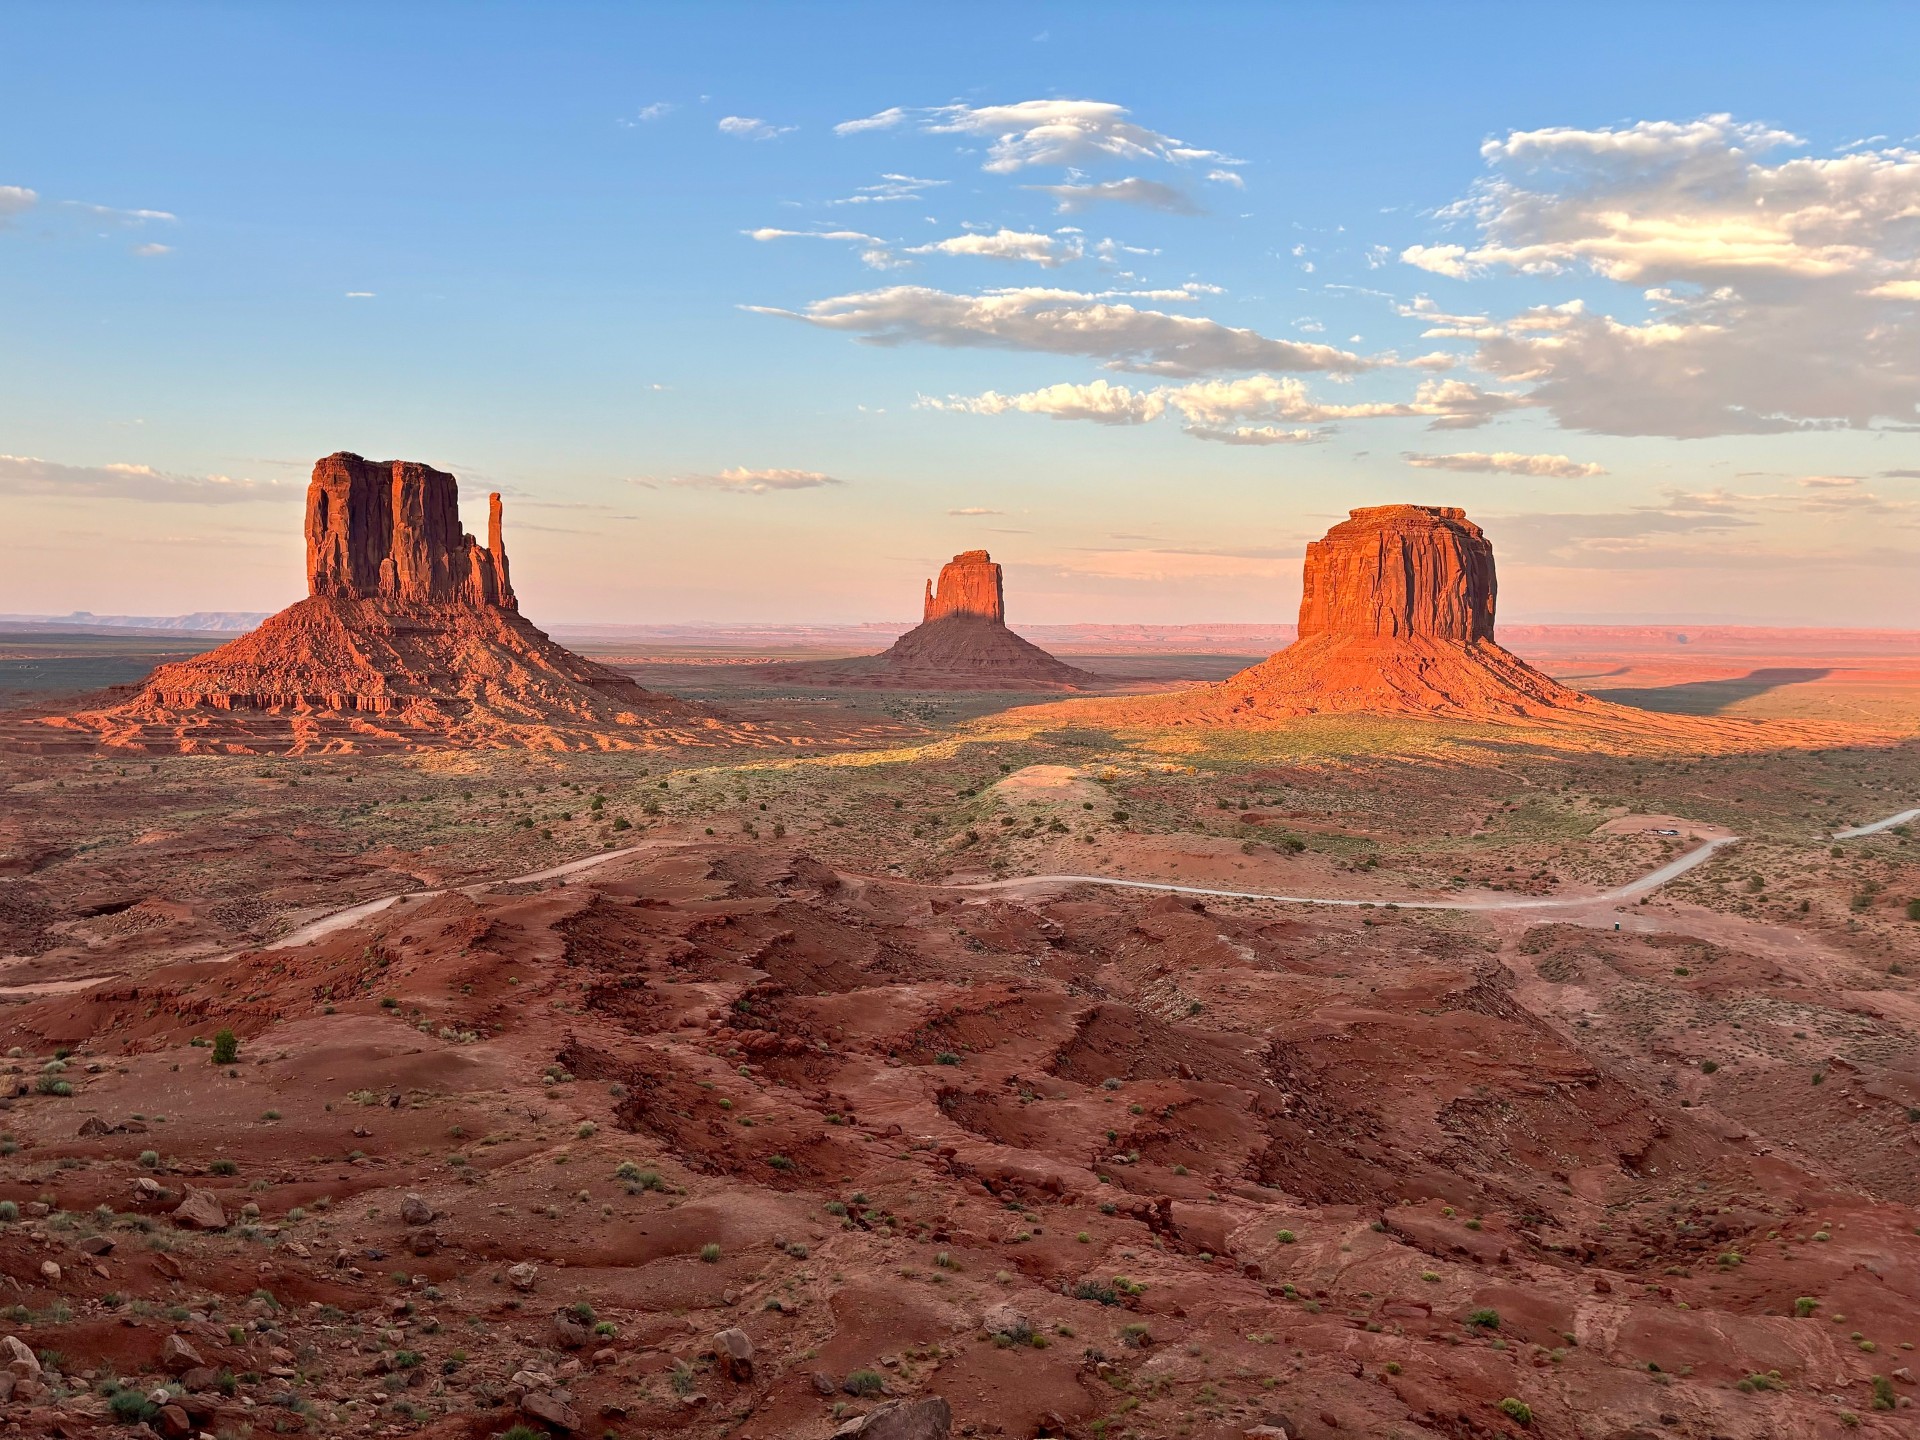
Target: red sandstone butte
x=1396, y=618
x=410, y=635
x=390, y=530
x=961, y=643
x=970, y=584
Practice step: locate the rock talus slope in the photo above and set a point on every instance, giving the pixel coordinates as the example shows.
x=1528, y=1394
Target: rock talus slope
x=410, y=634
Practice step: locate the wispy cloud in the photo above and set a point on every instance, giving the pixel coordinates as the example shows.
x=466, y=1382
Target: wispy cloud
x=1043, y=132
x=28, y=475
x=1239, y=411
x=975, y=510
x=890, y=189
x=1507, y=462
x=742, y=481
x=1149, y=194
x=16, y=200
x=746, y=127
x=1064, y=322
x=1046, y=251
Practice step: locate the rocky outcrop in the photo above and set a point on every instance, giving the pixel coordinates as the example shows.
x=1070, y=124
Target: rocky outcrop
x=1396, y=618
x=969, y=585
x=410, y=635
x=390, y=530
x=1399, y=571
x=963, y=643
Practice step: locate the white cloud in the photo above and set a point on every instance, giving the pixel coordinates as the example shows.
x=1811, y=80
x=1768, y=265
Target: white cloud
x=745, y=127
x=1213, y=409
x=1150, y=194
x=1047, y=251
x=889, y=189
x=120, y=217
x=1227, y=177
x=27, y=475
x=359, y=295
x=975, y=510
x=1508, y=462
x=1064, y=322
x=1255, y=435
x=1445, y=404
x=768, y=232
x=16, y=200
x=659, y=109
x=1448, y=260
x=153, y=249
x=1100, y=402
x=1044, y=132
x=742, y=481
x=885, y=120
x=1775, y=282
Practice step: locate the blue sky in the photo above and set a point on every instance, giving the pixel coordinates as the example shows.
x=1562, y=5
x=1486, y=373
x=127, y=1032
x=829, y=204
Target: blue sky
x=1149, y=295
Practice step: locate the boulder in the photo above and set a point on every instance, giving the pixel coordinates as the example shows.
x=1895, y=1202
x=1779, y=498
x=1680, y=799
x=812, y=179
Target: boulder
x=200, y=1210
x=929, y=1418
x=18, y=1358
x=551, y=1410
x=734, y=1353
x=1004, y=1319
x=415, y=1211
x=94, y=1125
x=522, y=1276
x=569, y=1331
x=177, y=1355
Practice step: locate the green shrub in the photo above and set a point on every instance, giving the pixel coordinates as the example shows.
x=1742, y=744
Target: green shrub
x=710, y=1252
x=226, y=1047
x=865, y=1382
x=1517, y=1411
x=1485, y=1319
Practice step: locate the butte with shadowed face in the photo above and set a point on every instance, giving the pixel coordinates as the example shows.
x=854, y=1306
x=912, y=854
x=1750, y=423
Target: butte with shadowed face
x=961, y=643
x=410, y=634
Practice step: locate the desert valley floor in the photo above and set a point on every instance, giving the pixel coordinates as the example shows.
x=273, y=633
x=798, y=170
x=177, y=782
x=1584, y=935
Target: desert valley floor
x=745, y=1083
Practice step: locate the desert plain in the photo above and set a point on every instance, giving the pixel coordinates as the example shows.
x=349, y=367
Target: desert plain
x=790, y=1073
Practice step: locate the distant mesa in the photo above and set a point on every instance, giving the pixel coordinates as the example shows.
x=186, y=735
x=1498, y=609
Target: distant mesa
x=961, y=643
x=1396, y=618
x=411, y=634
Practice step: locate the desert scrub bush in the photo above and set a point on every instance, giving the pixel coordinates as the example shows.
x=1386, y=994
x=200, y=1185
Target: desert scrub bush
x=226, y=1047
x=1286, y=1237
x=710, y=1253
x=150, y=1159
x=1517, y=1411
x=1484, y=1319
x=865, y=1382
x=1805, y=1306
x=218, y=1167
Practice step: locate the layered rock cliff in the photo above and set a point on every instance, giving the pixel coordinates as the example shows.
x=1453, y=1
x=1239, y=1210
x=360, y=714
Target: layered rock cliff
x=1400, y=571
x=390, y=530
